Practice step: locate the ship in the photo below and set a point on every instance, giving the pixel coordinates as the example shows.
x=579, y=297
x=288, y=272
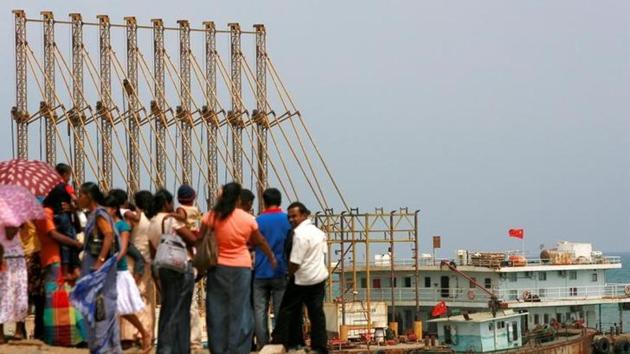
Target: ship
x=518, y=300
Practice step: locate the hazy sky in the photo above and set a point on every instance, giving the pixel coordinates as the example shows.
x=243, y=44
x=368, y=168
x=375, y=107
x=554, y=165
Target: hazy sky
x=485, y=115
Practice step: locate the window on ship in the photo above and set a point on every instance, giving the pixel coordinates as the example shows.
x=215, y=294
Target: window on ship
x=407, y=282
x=573, y=275
x=427, y=282
x=572, y=291
x=542, y=276
x=512, y=277
x=514, y=331
x=487, y=283
x=536, y=319
x=594, y=277
x=546, y=318
x=471, y=283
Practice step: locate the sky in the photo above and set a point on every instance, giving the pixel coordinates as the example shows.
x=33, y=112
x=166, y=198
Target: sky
x=485, y=115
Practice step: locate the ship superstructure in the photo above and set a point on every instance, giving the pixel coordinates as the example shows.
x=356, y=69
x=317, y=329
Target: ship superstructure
x=565, y=285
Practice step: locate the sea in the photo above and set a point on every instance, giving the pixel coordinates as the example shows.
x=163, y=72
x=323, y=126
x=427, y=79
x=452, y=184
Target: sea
x=610, y=313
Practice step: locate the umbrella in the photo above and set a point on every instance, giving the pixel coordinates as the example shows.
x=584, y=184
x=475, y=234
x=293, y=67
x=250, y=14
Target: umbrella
x=37, y=176
x=18, y=205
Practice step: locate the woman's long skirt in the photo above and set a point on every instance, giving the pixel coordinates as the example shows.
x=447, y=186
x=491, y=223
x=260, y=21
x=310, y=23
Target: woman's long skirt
x=104, y=335
x=63, y=324
x=13, y=295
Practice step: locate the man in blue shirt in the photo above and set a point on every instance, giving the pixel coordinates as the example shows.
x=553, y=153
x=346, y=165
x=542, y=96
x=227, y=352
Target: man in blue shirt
x=269, y=283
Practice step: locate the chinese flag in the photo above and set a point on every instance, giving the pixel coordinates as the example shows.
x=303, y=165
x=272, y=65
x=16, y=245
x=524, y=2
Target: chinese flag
x=517, y=233
x=439, y=309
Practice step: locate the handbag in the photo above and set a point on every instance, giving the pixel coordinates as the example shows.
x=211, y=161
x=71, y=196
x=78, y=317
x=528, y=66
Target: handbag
x=95, y=240
x=171, y=252
x=206, y=252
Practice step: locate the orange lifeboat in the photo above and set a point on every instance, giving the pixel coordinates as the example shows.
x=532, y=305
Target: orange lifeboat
x=517, y=261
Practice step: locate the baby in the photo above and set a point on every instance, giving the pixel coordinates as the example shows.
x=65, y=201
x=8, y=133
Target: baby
x=188, y=212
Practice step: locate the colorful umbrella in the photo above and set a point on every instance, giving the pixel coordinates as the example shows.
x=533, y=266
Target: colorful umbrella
x=36, y=176
x=18, y=205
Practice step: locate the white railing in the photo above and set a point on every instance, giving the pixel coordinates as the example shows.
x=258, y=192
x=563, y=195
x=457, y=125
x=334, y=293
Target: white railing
x=436, y=262
x=475, y=295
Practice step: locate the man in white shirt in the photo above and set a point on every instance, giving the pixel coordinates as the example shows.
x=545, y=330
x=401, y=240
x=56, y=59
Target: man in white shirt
x=307, y=282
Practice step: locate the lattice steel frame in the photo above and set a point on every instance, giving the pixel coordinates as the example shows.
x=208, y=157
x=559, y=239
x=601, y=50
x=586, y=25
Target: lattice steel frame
x=347, y=231
x=133, y=169
x=210, y=110
x=260, y=116
x=106, y=103
x=20, y=111
x=49, y=85
x=160, y=119
x=237, y=105
x=184, y=113
x=76, y=116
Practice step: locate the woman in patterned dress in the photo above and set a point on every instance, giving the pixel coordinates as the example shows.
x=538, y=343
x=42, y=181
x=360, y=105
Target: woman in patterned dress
x=13, y=281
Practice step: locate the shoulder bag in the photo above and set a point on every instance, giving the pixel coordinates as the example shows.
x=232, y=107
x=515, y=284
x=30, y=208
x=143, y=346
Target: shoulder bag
x=206, y=252
x=171, y=252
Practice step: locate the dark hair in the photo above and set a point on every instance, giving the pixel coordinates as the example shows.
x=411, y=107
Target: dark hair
x=113, y=201
x=301, y=207
x=120, y=195
x=231, y=193
x=143, y=200
x=160, y=199
x=93, y=191
x=63, y=168
x=246, y=196
x=56, y=197
x=272, y=196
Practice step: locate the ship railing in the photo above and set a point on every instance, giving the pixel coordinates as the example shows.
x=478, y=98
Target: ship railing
x=398, y=262
x=432, y=295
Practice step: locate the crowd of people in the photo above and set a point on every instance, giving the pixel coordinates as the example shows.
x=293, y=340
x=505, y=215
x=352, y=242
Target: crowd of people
x=270, y=263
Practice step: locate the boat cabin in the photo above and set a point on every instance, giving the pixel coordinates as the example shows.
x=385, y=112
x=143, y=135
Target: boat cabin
x=481, y=332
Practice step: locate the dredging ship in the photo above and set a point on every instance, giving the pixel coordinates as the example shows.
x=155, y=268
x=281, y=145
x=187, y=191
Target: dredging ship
x=495, y=301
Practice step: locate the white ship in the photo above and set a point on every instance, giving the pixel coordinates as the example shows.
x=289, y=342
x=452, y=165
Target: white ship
x=564, y=286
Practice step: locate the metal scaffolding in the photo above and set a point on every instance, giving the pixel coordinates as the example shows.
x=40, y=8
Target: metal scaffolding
x=49, y=86
x=210, y=111
x=184, y=113
x=20, y=111
x=155, y=139
x=105, y=106
x=77, y=115
x=352, y=234
x=260, y=115
x=133, y=168
x=159, y=105
x=235, y=116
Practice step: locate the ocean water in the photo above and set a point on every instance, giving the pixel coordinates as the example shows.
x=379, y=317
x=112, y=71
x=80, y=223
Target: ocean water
x=610, y=313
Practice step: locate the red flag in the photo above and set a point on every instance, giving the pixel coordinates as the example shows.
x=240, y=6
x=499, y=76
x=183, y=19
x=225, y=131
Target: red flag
x=439, y=309
x=517, y=233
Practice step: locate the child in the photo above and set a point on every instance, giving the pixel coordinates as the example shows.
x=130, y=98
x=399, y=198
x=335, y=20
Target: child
x=129, y=301
x=130, y=216
x=188, y=212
